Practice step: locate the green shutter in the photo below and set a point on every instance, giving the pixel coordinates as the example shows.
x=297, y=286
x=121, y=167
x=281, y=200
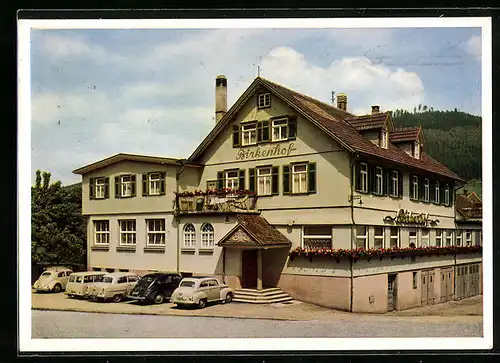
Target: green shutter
x=162, y=183
x=220, y=180
x=251, y=179
x=292, y=127
x=92, y=188
x=274, y=181
x=421, y=188
x=132, y=178
x=236, y=136
x=311, y=178
x=400, y=184
x=117, y=187
x=145, y=190
x=266, y=131
x=106, y=188
x=286, y=179
x=412, y=196
x=259, y=132
x=357, y=176
x=389, y=181
x=441, y=193
x=372, y=187
x=241, y=182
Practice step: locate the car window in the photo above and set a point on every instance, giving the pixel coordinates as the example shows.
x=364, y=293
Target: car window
x=87, y=279
x=46, y=273
x=107, y=279
x=79, y=279
x=97, y=278
x=132, y=278
x=61, y=274
x=72, y=279
x=187, y=284
x=213, y=283
x=68, y=273
x=204, y=284
x=122, y=280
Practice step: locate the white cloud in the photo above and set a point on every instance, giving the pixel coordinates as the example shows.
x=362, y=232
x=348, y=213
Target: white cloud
x=474, y=46
x=364, y=82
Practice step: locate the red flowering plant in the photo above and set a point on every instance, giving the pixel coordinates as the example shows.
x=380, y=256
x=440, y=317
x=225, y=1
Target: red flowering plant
x=218, y=192
x=358, y=253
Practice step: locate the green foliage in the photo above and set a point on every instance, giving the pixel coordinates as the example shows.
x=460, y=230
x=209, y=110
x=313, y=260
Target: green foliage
x=472, y=185
x=57, y=227
x=451, y=137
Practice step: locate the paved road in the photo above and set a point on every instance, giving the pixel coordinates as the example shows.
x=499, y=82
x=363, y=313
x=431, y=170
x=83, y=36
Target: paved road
x=63, y=324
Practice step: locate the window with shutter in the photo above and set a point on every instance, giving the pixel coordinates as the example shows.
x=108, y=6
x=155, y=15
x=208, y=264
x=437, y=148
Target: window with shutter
x=362, y=177
x=311, y=178
x=106, y=187
x=264, y=176
x=91, y=188
x=286, y=179
x=251, y=179
x=117, y=187
x=241, y=183
x=132, y=185
x=163, y=183
x=280, y=129
x=379, y=180
x=388, y=182
x=145, y=191
x=371, y=179
x=292, y=127
x=220, y=180
x=274, y=181
x=236, y=136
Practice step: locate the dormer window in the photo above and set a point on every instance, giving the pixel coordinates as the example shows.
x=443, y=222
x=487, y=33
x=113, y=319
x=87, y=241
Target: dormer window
x=383, y=139
x=264, y=100
x=416, y=150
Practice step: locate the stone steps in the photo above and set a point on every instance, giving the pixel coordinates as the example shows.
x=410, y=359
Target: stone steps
x=265, y=296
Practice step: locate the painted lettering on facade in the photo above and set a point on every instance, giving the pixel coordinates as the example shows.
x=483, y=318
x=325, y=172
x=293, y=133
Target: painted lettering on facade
x=271, y=151
x=406, y=217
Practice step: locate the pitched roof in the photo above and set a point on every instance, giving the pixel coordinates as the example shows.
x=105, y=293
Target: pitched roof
x=366, y=122
x=333, y=122
x=404, y=134
x=467, y=207
x=253, y=230
x=129, y=157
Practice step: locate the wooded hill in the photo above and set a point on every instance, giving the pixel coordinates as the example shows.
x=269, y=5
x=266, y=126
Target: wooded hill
x=451, y=137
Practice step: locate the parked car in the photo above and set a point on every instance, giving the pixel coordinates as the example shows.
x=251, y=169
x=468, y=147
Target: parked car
x=79, y=282
x=155, y=287
x=201, y=290
x=54, y=279
x=114, y=286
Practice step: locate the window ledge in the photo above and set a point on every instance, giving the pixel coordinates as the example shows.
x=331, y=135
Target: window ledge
x=99, y=248
x=206, y=249
x=159, y=249
x=188, y=249
x=125, y=248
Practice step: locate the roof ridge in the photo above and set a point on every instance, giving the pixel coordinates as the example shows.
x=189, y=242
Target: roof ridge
x=407, y=128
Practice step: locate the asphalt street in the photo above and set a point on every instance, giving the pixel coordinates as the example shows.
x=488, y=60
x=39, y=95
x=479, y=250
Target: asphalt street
x=64, y=324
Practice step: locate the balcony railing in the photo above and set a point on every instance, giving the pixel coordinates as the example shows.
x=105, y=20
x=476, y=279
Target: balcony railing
x=215, y=201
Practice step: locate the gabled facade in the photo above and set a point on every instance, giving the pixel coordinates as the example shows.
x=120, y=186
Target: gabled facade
x=281, y=172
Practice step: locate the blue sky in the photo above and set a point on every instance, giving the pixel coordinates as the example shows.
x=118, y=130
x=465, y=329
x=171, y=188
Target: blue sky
x=96, y=93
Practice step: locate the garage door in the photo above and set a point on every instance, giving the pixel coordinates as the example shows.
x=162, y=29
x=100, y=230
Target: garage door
x=446, y=284
x=427, y=287
x=468, y=280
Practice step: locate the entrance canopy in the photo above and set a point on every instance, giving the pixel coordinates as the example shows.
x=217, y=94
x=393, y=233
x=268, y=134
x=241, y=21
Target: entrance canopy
x=254, y=231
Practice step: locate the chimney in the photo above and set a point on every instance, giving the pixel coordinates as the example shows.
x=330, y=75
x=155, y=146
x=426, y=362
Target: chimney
x=342, y=101
x=220, y=97
x=375, y=109
x=466, y=192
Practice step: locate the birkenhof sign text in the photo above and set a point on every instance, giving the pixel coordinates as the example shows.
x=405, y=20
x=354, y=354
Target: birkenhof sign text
x=405, y=217
x=264, y=152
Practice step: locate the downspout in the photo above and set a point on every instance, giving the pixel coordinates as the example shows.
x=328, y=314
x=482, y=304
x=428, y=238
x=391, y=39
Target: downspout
x=176, y=212
x=353, y=177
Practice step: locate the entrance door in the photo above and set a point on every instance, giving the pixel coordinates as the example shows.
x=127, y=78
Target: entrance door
x=249, y=269
x=425, y=285
x=391, y=291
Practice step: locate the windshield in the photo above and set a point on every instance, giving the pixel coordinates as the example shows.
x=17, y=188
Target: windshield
x=187, y=283
x=46, y=273
x=107, y=279
x=79, y=279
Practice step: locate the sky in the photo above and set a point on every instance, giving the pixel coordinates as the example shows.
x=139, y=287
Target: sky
x=96, y=93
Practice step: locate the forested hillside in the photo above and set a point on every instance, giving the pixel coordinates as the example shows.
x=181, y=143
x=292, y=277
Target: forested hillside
x=451, y=137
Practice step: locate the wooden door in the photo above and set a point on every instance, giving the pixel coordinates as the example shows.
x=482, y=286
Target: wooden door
x=443, y=286
x=249, y=269
x=466, y=281
x=391, y=292
x=430, y=288
x=449, y=284
x=424, y=278
x=458, y=283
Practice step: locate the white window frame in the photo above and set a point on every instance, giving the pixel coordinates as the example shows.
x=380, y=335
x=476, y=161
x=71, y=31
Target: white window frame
x=378, y=237
x=425, y=236
x=416, y=150
x=100, y=188
x=280, y=126
x=129, y=232
x=426, y=189
x=126, y=186
x=414, y=238
x=395, y=183
x=154, y=181
x=394, y=237
x=157, y=233
x=316, y=236
x=447, y=194
x=189, y=236
x=379, y=180
x=468, y=237
x=363, y=171
x=302, y=184
x=449, y=237
x=264, y=100
x=458, y=237
x=207, y=235
x=101, y=234
x=232, y=182
x=415, y=187
x=436, y=193
x=439, y=237
x=363, y=237
x=383, y=141
x=264, y=181
x=249, y=134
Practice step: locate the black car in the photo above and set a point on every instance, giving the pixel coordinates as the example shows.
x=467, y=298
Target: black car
x=155, y=287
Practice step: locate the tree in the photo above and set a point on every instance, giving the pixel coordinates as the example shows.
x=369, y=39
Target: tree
x=57, y=227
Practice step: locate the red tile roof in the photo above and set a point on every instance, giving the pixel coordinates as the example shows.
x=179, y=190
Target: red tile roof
x=254, y=230
x=467, y=207
x=333, y=120
x=404, y=134
x=367, y=122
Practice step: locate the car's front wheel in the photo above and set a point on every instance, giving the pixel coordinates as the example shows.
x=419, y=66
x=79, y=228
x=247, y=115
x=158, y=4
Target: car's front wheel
x=159, y=298
x=202, y=303
x=117, y=298
x=57, y=288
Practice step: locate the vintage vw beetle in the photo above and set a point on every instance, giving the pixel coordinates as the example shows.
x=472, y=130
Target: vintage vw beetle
x=54, y=279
